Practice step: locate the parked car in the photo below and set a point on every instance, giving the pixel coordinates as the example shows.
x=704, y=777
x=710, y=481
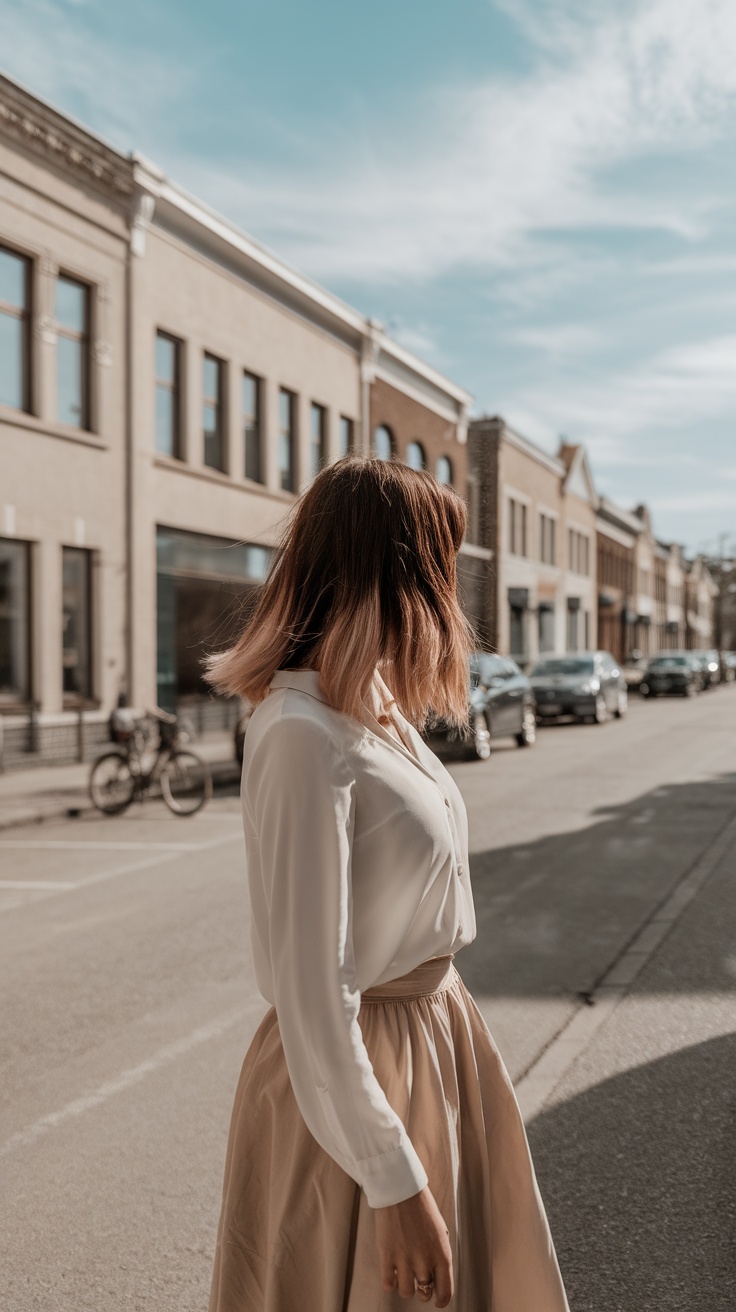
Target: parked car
x=501, y=706
x=711, y=664
x=587, y=685
x=633, y=668
x=673, y=672
x=728, y=666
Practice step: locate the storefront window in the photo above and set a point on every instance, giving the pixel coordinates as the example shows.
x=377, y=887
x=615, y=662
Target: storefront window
x=77, y=629
x=14, y=621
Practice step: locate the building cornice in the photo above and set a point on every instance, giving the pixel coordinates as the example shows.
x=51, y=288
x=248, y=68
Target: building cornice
x=523, y=444
x=625, y=519
x=63, y=144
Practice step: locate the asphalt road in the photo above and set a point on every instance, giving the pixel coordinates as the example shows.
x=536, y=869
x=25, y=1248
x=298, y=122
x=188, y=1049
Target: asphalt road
x=129, y=1003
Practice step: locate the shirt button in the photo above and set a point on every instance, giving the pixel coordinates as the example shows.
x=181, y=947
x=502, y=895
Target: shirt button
x=460, y=869
x=447, y=801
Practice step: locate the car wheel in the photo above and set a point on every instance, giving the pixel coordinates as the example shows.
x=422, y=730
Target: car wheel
x=527, y=735
x=644, y=690
x=601, y=710
x=623, y=705
x=481, y=736
x=690, y=690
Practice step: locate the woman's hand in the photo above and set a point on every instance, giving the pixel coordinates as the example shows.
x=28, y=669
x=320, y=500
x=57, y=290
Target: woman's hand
x=414, y=1248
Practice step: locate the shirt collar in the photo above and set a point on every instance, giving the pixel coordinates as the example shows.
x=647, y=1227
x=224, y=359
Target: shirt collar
x=301, y=680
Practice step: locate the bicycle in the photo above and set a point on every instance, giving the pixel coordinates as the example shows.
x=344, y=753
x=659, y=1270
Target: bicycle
x=123, y=775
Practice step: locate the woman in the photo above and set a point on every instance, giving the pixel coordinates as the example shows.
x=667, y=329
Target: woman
x=376, y=1150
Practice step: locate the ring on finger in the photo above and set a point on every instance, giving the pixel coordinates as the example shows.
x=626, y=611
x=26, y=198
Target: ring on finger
x=425, y=1286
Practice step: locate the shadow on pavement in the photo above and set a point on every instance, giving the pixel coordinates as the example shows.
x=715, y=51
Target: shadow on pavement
x=638, y=1178
x=553, y=914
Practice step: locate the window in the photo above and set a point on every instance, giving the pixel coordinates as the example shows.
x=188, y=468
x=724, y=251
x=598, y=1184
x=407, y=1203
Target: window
x=547, y=539
x=546, y=615
x=72, y=352
x=317, y=437
x=517, y=527
x=168, y=395
x=213, y=413
x=15, y=621
x=77, y=628
x=347, y=436
x=573, y=610
x=252, y=427
x=15, y=283
x=443, y=470
x=286, y=439
x=415, y=458
x=383, y=443
x=578, y=552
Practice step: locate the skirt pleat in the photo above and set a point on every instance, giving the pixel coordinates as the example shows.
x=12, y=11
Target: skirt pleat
x=296, y=1232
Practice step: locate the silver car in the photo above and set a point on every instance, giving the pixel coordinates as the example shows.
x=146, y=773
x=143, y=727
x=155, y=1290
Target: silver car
x=586, y=685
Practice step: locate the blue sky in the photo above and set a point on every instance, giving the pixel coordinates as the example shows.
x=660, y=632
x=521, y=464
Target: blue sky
x=538, y=196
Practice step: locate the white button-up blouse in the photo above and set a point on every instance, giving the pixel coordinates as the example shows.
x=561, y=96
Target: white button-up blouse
x=357, y=864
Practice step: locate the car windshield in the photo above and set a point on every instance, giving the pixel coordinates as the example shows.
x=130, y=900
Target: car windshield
x=665, y=662
x=565, y=665
x=484, y=667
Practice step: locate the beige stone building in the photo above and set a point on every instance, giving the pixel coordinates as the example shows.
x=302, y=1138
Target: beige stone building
x=536, y=515
x=167, y=388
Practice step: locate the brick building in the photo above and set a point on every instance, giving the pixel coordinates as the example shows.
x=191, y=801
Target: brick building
x=535, y=514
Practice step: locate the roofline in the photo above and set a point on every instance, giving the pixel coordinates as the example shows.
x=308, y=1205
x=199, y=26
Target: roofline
x=529, y=448
x=211, y=221
x=625, y=517
x=148, y=179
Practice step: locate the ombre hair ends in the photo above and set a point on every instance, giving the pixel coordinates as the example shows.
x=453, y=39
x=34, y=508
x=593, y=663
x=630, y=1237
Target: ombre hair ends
x=365, y=578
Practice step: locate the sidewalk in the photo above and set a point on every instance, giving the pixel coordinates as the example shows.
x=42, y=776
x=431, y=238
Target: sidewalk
x=53, y=791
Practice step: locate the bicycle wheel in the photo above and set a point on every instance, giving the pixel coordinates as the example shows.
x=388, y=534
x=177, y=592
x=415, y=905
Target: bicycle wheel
x=111, y=785
x=186, y=783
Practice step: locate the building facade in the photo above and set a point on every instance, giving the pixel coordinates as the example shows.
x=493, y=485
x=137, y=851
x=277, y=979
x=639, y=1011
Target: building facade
x=535, y=514
x=168, y=388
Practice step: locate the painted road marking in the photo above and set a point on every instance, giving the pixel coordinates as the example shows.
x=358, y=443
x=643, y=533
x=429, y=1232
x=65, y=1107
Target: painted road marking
x=125, y=1080
x=538, y=1083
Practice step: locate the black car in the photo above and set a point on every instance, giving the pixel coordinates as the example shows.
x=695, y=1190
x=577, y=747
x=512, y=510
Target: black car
x=672, y=672
x=587, y=685
x=728, y=666
x=501, y=706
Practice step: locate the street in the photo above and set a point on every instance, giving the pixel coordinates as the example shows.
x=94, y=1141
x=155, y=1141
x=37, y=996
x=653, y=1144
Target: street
x=130, y=1001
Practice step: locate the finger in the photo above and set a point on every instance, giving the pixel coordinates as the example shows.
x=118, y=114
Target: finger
x=443, y=1283
x=406, y=1280
x=389, y=1278
x=425, y=1295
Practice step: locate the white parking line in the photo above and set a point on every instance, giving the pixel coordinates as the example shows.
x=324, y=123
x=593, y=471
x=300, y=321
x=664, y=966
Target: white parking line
x=125, y=1080
x=35, y=884
x=62, y=845
x=104, y=876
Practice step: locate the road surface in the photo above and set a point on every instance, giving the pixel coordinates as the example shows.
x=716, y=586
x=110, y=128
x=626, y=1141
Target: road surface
x=129, y=1001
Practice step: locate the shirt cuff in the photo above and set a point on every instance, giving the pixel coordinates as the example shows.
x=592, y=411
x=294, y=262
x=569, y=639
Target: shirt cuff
x=391, y=1177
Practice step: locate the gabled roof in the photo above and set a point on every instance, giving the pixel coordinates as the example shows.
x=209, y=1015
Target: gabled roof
x=578, y=478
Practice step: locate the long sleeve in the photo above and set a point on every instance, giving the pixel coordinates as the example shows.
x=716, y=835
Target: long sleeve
x=301, y=795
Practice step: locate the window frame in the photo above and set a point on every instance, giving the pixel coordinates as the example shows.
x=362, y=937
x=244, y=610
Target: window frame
x=87, y=697
x=317, y=440
x=346, y=425
x=219, y=403
x=448, y=481
x=383, y=428
x=84, y=338
x=256, y=426
x=416, y=445
x=24, y=314
x=288, y=435
x=175, y=387
x=25, y=694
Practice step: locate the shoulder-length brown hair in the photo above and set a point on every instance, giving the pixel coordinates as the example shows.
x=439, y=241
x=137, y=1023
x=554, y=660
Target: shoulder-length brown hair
x=364, y=579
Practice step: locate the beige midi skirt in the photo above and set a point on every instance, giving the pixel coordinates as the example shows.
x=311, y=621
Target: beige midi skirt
x=295, y=1232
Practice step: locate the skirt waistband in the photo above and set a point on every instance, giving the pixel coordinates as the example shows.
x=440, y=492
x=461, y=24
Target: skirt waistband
x=432, y=976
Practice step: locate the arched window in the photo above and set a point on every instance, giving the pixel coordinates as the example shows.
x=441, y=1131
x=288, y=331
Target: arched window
x=383, y=442
x=415, y=456
x=443, y=470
